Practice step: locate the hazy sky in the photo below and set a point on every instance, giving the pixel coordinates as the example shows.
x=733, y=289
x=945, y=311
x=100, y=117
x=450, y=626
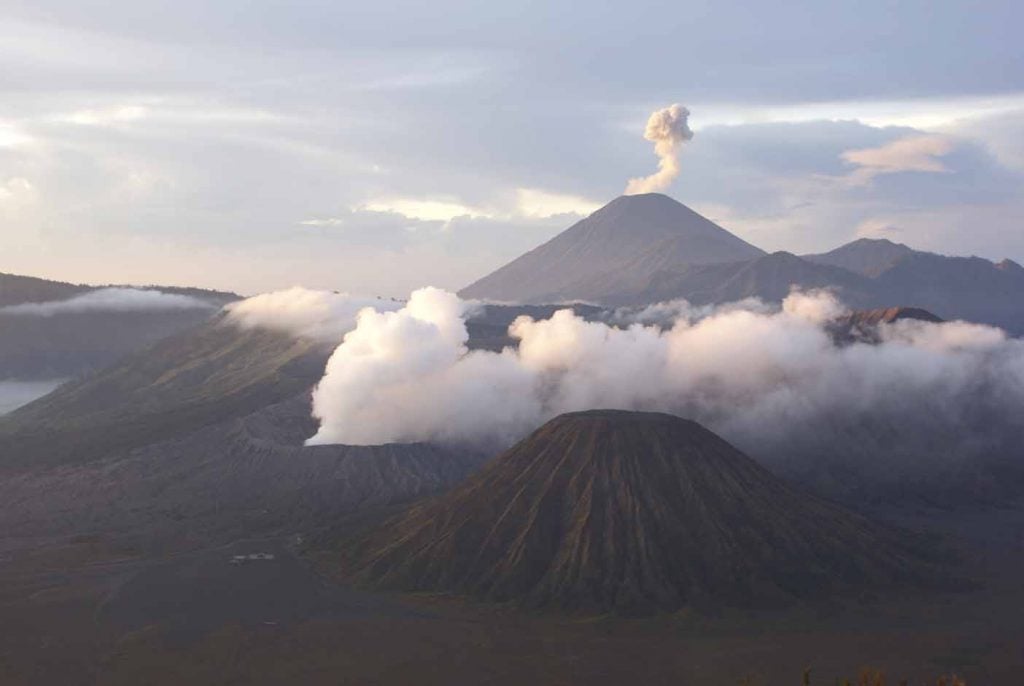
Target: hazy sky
x=379, y=146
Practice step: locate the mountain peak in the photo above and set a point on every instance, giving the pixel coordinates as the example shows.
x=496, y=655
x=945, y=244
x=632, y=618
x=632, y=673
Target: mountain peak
x=867, y=256
x=876, y=242
x=608, y=240
x=610, y=510
x=644, y=197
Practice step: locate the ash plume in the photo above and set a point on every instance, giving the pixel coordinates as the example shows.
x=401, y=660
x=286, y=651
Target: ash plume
x=668, y=129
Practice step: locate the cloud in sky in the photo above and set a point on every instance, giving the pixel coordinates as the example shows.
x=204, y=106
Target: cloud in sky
x=153, y=140
x=534, y=202
x=441, y=210
x=321, y=222
x=878, y=227
x=526, y=203
x=912, y=154
x=16, y=189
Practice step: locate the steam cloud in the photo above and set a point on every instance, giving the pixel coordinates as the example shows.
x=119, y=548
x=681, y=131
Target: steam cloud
x=407, y=376
x=771, y=380
x=323, y=315
x=668, y=129
x=109, y=300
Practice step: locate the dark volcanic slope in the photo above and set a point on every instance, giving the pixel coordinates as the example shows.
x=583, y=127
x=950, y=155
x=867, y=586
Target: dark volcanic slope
x=622, y=232
x=624, y=511
x=242, y=477
x=193, y=379
x=199, y=439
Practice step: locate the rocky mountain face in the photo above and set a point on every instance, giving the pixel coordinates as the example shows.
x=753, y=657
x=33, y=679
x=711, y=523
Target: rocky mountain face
x=630, y=512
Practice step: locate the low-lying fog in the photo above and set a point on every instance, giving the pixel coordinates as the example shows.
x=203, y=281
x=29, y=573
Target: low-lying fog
x=14, y=394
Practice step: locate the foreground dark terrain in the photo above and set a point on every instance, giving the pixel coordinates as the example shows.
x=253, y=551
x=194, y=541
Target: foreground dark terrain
x=212, y=559
x=87, y=610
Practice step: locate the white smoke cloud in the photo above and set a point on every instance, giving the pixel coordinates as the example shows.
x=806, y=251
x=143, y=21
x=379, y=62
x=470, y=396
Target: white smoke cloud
x=666, y=313
x=109, y=300
x=324, y=315
x=772, y=381
x=407, y=376
x=668, y=129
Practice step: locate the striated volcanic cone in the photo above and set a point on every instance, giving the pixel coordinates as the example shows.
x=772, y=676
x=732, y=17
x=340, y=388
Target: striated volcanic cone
x=631, y=512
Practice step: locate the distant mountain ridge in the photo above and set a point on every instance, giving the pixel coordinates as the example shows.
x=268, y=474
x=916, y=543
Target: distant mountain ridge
x=69, y=343
x=16, y=289
x=866, y=256
x=770, y=277
x=643, y=249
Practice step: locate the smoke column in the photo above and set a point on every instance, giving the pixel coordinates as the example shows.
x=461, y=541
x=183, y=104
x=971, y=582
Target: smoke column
x=668, y=129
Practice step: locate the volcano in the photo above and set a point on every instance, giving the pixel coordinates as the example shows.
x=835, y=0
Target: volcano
x=614, y=511
x=640, y=234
